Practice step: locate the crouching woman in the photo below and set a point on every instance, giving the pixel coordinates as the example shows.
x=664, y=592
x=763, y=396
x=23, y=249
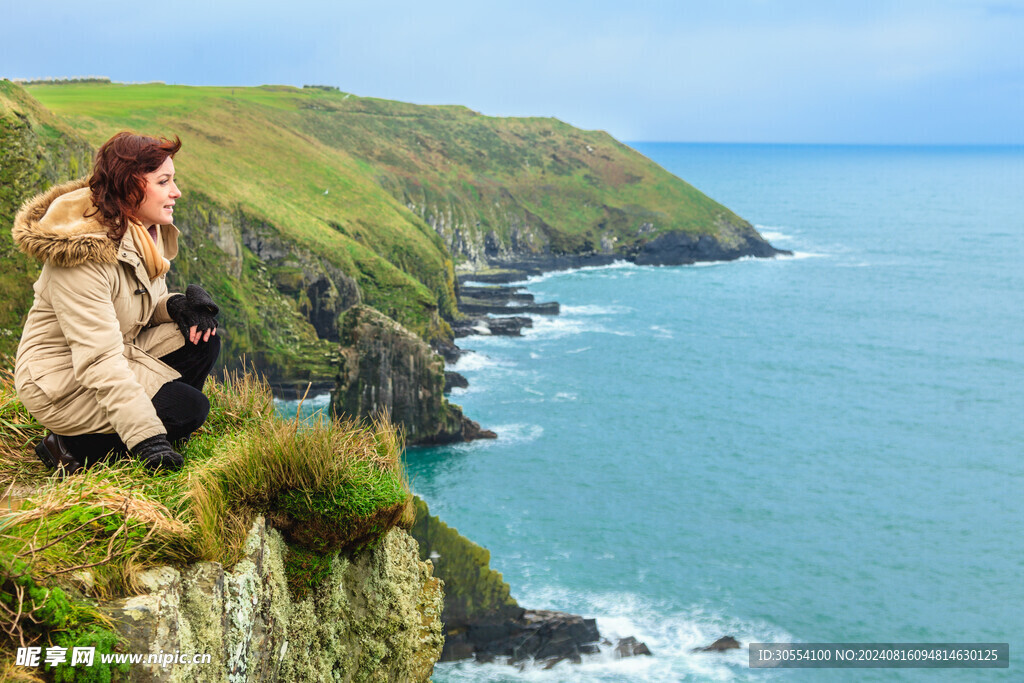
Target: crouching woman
x=109, y=361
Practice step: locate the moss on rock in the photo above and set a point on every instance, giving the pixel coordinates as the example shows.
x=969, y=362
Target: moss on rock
x=473, y=591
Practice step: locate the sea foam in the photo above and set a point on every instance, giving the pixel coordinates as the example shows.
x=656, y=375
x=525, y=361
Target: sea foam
x=670, y=635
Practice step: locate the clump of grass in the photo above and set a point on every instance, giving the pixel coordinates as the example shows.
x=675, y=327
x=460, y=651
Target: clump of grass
x=238, y=400
x=327, y=484
x=330, y=485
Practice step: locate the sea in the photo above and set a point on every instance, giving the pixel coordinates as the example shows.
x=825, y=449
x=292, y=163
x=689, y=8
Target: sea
x=821, y=448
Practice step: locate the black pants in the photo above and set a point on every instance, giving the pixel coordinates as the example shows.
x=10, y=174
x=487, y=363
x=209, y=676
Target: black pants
x=179, y=404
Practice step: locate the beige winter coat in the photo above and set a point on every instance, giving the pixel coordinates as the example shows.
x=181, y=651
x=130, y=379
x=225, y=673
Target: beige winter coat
x=88, y=358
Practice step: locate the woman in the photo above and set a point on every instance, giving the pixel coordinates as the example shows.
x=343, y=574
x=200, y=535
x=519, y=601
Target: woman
x=103, y=360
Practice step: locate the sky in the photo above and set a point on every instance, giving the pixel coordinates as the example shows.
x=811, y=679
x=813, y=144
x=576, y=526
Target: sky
x=784, y=71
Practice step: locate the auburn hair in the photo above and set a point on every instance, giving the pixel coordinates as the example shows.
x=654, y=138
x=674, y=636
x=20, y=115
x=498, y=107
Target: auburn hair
x=118, y=180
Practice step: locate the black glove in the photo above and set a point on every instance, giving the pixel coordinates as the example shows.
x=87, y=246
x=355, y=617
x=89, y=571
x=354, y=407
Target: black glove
x=194, y=307
x=156, y=454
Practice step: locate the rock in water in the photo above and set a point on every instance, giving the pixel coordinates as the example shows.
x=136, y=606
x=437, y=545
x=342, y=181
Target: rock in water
x=631, y=647
x=454, y=379
x=721, y=645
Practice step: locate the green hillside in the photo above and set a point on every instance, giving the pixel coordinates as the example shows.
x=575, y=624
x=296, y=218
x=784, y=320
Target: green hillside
x=300, y=202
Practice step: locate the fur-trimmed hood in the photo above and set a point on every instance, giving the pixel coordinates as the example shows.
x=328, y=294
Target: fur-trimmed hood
x=60, y=226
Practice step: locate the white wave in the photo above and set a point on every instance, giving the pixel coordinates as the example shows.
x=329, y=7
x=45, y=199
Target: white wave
x=798, y=255
x=565, y=396
x=558, y=327
x=773, y=233
x=534, y=355
x=592, y=309
x=534, y=279
x=518, y=432
x=662, y=332
x=670, y=634
x=706, y=264
x=580, y=350
x=474, y=360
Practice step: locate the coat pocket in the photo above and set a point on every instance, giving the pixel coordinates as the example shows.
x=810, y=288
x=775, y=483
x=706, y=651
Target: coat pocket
x=54, y=377
x=151, y=373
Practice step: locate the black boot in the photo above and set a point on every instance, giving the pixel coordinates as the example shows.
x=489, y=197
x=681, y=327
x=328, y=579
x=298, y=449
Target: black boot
x=54, y=453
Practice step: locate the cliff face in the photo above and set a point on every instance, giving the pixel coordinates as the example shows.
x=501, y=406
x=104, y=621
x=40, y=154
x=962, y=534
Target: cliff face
x=375, y=616
x=279, y=302
x=384, y=368
x=474, y=593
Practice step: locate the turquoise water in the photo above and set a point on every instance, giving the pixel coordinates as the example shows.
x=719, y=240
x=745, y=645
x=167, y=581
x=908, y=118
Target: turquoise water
x=820, y=448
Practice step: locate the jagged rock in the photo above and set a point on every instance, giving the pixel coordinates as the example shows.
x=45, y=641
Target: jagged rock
x=631, y=647
x=511, y=325
x=495, y=295
x=541, y=635
x=449, y=351
x=472, y=431
x=476, y=307
x=454, y=379
x=385, y=368
x=721, y=645
x=376, y=617
x=679, y=248
x=508, y=326
x=321, y=290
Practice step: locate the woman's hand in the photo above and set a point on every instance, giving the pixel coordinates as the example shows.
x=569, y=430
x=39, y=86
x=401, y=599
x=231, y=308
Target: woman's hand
x=195, y=335
x=195, y=313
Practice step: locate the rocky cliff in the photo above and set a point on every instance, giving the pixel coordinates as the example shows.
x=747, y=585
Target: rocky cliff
x=37, y=151
x=386, y=370
x=373, y=616
x=279, y=551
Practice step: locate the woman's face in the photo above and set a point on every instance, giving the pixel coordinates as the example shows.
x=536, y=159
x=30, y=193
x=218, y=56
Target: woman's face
x=157, y=207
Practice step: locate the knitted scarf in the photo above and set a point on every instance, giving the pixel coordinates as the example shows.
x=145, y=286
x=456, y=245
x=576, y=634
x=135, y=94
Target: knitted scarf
x=145, y=244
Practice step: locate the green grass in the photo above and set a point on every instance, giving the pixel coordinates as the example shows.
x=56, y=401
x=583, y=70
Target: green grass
x=330, y=486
